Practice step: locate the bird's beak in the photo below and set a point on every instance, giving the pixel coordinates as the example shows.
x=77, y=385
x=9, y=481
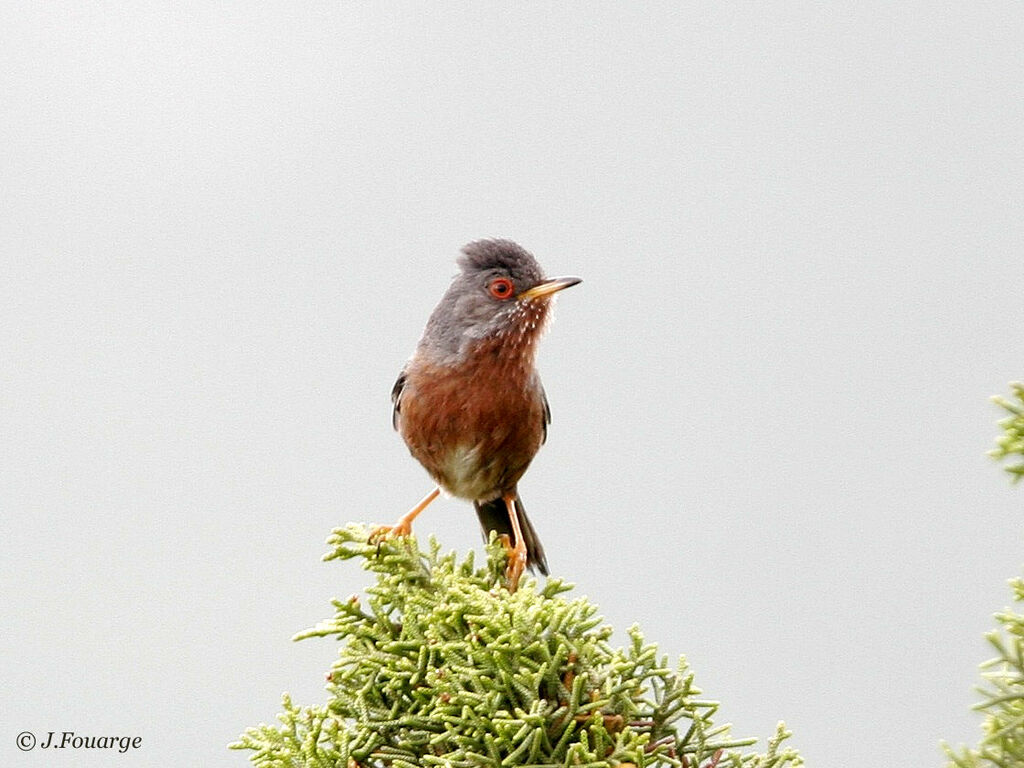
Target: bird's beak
x=549, y=287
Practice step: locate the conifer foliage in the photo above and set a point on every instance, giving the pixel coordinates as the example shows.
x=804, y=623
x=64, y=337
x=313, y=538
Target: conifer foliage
x=1002, y=696
x=1011, y=442
x=1002, y=688
x=442, y=666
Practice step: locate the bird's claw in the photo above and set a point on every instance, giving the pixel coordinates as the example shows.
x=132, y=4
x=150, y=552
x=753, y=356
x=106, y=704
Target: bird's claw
x=382, y=532
x=516, y=562
x=403, y=526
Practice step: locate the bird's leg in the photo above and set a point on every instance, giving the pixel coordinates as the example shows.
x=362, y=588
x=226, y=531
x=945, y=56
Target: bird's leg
x=516, y=552
x=403, y=526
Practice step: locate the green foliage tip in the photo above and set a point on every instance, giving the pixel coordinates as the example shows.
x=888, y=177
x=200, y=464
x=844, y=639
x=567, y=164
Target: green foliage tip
x=1002, y=692
x=1011, y=442
x=442, y=666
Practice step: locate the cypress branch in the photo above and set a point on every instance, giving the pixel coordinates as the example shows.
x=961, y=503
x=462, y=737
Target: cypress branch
x=1002, y=692
x=1002, y=689
x=444, y=667
x=1011, y=442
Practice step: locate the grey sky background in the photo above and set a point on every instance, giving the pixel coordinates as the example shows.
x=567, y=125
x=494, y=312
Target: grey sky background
x=223, y=227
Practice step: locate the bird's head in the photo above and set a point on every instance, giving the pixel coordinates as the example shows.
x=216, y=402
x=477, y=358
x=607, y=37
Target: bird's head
x=500, y=293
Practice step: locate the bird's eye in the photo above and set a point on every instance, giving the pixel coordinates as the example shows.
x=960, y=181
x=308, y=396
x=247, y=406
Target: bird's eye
x=501, y=288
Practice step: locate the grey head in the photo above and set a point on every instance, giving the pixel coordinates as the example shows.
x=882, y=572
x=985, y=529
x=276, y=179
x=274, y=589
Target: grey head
x=500, y=292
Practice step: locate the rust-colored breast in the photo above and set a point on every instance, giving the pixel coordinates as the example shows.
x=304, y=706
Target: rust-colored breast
x=474, y=425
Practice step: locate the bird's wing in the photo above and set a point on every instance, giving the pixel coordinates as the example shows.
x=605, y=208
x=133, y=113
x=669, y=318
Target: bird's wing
x=396, y=399
x=547, y=414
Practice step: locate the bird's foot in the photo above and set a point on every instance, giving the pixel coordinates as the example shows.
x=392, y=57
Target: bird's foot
x=403, y=526
x=381, y=532
x=516, y=562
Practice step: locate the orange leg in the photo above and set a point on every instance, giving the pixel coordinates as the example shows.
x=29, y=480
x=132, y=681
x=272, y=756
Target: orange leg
x=403, y=526
x=517, y=552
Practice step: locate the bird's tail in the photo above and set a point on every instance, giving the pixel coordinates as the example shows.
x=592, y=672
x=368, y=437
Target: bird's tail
x=494, y=517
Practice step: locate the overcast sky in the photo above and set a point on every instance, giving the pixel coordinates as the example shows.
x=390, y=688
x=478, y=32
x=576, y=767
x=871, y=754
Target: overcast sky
x=223, y=226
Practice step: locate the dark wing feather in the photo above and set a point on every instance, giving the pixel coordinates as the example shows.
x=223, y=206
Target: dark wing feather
x=396, y=399
x=547, y=414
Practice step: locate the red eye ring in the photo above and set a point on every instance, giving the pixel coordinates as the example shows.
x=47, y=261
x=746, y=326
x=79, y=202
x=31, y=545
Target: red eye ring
x=501, y=288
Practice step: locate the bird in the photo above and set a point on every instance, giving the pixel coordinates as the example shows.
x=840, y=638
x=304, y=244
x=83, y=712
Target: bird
x=469, y=402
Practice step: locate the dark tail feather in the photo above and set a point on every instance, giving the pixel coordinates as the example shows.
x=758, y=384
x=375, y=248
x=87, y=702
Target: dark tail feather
x=494, y=517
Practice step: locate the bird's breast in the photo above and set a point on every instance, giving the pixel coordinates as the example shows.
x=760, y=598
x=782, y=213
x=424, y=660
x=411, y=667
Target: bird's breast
x=475, y=425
